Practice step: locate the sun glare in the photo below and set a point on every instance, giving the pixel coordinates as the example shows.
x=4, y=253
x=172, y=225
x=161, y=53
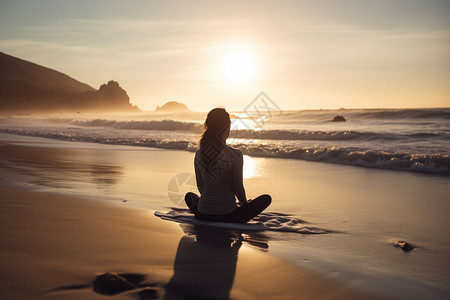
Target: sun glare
x=251, y=167
x=239, y=66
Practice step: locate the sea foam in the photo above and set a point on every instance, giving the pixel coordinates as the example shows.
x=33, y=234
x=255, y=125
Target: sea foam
x=266, y=221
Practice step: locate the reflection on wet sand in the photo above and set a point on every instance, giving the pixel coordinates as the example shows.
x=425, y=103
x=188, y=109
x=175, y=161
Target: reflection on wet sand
x=55, y=167
x=205, y=264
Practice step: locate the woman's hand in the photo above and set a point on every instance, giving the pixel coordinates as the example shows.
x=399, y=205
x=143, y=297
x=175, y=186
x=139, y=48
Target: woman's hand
x=240, y=203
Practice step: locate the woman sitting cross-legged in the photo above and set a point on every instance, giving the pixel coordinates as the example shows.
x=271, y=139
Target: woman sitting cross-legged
x=218, y=171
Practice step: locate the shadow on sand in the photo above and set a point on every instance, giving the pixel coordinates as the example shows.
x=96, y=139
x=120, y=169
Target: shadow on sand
x=205, y=264
x=204, y=268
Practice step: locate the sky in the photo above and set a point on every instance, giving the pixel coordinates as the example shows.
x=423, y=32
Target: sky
x=302, y=54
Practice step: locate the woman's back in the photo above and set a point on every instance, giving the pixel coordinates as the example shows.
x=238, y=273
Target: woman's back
x=216, y=171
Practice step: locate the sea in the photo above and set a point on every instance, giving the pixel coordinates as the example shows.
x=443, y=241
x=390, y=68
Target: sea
x=346, y=194
x=412, y=140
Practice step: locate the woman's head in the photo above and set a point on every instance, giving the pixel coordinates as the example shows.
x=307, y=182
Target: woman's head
x=216, y=127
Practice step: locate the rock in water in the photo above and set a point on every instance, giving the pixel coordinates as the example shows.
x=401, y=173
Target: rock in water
x=173, y=106
x=338, y=119
x=405, y=246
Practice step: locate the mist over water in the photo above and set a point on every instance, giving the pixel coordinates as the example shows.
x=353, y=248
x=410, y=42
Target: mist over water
x=408, y=139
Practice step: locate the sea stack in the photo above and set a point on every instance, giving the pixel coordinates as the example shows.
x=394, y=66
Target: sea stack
x=173, y=106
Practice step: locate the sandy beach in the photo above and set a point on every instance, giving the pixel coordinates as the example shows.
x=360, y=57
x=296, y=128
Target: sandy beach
x=71, y=212
x=53, y=246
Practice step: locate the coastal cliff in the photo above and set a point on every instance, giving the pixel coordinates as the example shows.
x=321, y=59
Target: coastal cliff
x=26, y=87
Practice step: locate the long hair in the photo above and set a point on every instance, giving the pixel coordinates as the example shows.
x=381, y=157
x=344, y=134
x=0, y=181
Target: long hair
x=215, y=128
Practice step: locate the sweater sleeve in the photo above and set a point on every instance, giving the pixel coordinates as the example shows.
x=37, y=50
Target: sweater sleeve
x=238, y=182
x=198, y=175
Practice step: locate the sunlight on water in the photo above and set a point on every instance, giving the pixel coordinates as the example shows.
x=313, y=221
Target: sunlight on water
x=243, y=121
x=252, y=167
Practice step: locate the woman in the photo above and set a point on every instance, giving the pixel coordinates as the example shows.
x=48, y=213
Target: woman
x=218, y=171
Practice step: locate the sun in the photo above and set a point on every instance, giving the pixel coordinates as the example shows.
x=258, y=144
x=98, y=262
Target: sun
x=239, y=66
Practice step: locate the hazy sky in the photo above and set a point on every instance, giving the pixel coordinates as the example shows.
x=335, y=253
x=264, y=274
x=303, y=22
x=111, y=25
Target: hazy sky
x=302, y=54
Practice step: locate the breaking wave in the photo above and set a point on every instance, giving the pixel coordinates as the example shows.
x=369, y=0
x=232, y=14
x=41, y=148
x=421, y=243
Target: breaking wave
x=395, y=114
x=274, y=134
x=438, y=163
x=371, y=114
x=164, y=125
x=425, y=163
x=329, y=135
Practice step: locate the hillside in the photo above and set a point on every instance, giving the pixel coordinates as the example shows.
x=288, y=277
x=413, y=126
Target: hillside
x=26, y=87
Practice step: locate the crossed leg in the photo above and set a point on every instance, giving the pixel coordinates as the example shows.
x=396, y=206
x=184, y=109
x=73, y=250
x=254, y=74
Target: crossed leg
x=241, y=214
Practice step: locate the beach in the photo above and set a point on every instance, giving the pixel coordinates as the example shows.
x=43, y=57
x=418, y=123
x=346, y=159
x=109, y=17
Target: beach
x=54, y=245
x=72, y=211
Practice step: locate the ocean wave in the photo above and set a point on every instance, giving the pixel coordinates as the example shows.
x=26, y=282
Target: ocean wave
x=171, y=125
x=93, y=123
x=89, y=137
x=438, y=163
x=168, y=125
x=295, y=135
x=437, y=133
x=422, y=116
x=425, y=163
x=330, y=135
x=164, y=125
x=395, y=114
x=276, y=134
